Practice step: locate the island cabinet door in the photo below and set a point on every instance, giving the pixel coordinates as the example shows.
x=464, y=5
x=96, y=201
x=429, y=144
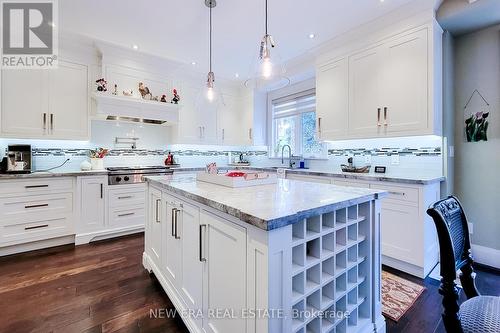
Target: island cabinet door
x=224, y=278
x=173, y=243
x=155, y=225
x=191, y=285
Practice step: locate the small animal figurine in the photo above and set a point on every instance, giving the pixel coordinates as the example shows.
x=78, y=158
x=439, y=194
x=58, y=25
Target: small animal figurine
x=101, y=85
x=170, y=159
x=115, y=91
x=128, y=93
x=176, y=97
x=145, y=93
x=163, y=98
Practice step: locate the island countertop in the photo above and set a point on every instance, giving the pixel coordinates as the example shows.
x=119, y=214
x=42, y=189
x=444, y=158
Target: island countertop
x=267, y=207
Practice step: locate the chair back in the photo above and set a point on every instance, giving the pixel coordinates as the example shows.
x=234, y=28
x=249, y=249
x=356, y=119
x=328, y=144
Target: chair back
x=453, y=235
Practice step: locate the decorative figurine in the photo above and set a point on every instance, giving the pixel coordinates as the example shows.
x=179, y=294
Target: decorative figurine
x=101, y=85
x=170, y=159
x=115, y=91
x=145, y=93
x=128, y=93
x=176, y=97
x=163, y=98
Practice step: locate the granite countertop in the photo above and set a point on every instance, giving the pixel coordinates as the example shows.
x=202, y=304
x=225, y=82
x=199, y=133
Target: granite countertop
x=55, y=173
x=402, y=179
x=267, y=207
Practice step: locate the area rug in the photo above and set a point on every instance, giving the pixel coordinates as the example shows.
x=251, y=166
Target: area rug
x=398, y=295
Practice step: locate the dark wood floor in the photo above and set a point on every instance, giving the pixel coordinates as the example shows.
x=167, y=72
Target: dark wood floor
x=103, y=287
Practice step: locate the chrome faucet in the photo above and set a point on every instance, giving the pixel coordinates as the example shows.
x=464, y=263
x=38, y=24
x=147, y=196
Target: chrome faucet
x=290, y=163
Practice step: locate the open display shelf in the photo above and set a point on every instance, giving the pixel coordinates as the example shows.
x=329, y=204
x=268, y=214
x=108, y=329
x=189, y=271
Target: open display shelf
x=330, y=263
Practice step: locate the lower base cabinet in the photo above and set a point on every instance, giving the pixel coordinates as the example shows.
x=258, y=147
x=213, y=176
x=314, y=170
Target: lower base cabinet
x=202, y=259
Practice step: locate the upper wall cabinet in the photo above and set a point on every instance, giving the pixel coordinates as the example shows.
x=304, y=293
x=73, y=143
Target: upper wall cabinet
x=394, y=89
x=46, y=104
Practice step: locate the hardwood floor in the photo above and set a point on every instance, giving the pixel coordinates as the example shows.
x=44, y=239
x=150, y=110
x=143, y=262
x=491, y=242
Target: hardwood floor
x=102, y=287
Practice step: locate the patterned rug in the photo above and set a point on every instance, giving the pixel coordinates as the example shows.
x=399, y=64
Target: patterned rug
x=398, y=295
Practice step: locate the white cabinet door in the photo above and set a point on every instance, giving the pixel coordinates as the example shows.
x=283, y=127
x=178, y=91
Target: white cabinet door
x=332, y=100
x=230, y=125
x=173, y=243
x=92, y=209
x=224, y=248
x=207, y=114
x=191, y=285
x=24, y=111
x=364, y=93
x=405, y=83
x=155, y=226
x=68, y=101
x=401, y=232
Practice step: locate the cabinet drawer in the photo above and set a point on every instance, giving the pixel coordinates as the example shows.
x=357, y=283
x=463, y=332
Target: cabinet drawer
x=312, y=179
x=399, y=193
x=120, y=198
x=350, y=184
x=125, y=217
x=35, y=186
x=37, y=207
x=35, y=230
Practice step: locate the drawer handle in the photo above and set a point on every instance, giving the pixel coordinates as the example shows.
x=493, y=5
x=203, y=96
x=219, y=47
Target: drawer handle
x=202, y=259
x=157, y=211
x=36, y=227
x=36, y=206
x=35, y=186
x=397, y=193
x=127, y=197
x=126, y=214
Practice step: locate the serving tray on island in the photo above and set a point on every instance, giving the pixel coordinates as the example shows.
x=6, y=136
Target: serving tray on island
x=224, y=180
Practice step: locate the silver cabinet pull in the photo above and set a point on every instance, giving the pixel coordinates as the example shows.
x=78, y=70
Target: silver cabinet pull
x=157, y=212
x=378, y=117
x=201, y=134
x=319, y=127
x=35, y=186
x=385, y=116
x=250, y=134
x=397, y=193
x=201, y=242
x=126, y=214
x=52, y=122
x=102, y=186
x=223, y=134
x=203, y=127
x=36, y=206
x=36, y=227
x=176, y=223
x=125, y=197
x=44, y=117
x=173, y=222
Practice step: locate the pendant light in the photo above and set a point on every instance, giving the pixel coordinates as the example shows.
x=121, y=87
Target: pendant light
x=210, y=90
x=268, y=70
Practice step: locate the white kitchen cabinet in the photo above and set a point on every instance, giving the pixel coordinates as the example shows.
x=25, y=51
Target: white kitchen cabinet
x=69, y=101
x=224, y=272
x=365, y=110
x=57, y=107
x=394, y=88
x=172, y=241
x=230, y=126
x=404, y=84
x=191, y=285
x=92, y=203
x=332, y=100
x=156, y=227
x=24, y=110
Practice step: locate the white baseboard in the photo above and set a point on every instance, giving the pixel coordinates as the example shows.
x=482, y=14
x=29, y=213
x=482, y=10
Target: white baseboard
x=486, y=255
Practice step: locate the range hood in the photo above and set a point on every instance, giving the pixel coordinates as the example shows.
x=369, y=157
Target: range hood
x=130, y=109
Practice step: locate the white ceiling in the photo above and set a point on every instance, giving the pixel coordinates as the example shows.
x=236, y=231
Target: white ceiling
x=179, y=29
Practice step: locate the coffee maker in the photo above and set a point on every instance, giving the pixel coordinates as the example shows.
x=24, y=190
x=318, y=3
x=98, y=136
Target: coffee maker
x=18, y=159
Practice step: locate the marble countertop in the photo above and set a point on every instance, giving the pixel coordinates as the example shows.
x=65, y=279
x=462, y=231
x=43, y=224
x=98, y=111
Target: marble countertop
x=55, y=173
x=267, y=207
x=394, y=178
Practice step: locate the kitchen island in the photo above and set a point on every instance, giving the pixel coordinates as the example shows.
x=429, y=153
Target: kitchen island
x=285, y=257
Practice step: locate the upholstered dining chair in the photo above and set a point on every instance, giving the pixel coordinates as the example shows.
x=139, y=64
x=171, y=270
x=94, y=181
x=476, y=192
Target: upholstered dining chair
x=477, y=313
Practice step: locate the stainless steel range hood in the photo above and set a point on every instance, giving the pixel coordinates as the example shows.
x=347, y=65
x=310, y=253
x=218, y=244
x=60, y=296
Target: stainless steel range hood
x=137, y=120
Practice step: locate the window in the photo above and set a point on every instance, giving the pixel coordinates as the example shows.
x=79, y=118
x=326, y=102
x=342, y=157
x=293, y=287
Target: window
x=294, y=124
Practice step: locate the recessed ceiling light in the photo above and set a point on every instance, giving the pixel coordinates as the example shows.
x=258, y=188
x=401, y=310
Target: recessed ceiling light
x=237, y=75
x=135, y=47
x=311, y=36
x=193, y=63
